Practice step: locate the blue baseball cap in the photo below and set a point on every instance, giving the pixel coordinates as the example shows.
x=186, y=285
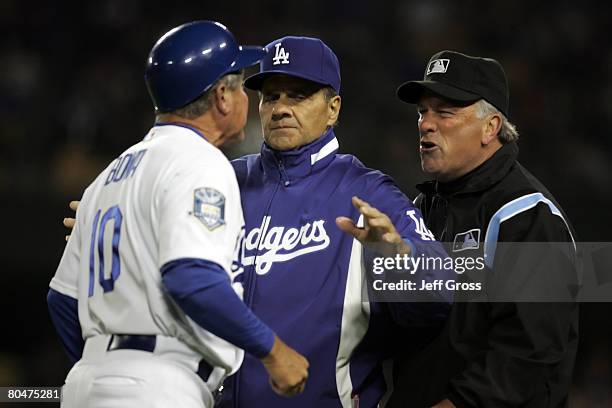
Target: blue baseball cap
x=302, y=57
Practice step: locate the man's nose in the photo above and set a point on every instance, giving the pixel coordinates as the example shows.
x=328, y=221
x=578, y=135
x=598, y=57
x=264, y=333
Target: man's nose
x=426, y=123
x=281, y=108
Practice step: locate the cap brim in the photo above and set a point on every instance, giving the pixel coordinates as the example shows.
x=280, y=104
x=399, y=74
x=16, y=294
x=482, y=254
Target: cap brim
x=255, y=81
x=247, y=56
x=411, y=91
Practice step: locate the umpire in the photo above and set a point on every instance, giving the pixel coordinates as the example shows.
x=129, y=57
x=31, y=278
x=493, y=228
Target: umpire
x=490, y=354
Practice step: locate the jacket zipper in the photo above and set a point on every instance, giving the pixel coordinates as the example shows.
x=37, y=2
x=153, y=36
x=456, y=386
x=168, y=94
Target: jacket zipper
x=248, y=298
x=283, y=174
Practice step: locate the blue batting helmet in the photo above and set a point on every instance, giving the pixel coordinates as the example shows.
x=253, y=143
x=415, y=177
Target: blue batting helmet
x=187, y=60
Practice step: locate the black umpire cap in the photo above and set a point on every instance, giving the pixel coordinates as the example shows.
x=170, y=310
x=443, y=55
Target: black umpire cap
x=462, y=78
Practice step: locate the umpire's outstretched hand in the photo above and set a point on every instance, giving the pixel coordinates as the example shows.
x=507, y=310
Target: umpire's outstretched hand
x=378, y=231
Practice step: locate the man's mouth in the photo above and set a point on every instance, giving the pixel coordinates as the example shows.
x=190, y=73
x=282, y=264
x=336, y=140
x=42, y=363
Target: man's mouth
x=427, y=146
x=278, y=127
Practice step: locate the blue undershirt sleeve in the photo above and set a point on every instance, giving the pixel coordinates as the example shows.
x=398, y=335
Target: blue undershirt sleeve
x=203, y=291
x=64, y=312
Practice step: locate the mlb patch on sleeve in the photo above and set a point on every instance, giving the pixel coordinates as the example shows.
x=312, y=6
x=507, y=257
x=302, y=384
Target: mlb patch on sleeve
x=209, y=207
x=467, y=240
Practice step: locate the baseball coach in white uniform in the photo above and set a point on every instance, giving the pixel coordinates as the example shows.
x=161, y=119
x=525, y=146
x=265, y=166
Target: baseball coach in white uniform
x=143, y=294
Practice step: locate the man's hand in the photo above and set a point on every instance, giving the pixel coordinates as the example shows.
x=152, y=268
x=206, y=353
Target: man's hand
x=444, y=404
x=287, y=368
x=378, y=231
x=69, y=222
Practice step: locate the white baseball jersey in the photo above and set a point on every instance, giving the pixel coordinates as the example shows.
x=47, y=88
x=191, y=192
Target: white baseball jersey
x=171, y=196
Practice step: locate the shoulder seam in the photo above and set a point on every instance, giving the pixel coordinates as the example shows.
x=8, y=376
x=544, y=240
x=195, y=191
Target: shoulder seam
x=507, y=211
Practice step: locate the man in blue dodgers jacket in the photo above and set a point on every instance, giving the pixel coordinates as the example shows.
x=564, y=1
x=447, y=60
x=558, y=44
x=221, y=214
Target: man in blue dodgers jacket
x=517, y=350
x=302, y=273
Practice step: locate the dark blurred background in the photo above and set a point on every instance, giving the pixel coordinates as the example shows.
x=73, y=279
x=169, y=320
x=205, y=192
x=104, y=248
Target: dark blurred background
x=72, y=98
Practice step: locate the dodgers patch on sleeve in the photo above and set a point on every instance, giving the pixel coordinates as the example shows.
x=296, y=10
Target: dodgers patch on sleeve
x=209, y=207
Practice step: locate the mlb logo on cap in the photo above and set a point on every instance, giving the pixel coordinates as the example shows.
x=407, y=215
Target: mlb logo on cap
x=303, y=57
x=438, y=66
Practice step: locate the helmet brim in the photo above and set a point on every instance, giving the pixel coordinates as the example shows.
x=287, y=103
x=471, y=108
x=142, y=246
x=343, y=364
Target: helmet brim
x=248, y=55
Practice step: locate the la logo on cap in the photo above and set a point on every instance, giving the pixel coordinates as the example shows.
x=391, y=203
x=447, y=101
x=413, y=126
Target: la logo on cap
x=280, y=57
x=437, y=66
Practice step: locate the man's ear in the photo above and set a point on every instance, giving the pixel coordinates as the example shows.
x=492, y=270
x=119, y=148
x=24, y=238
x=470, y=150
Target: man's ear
x=333, y=110
x=492, y=127
x=222, y=98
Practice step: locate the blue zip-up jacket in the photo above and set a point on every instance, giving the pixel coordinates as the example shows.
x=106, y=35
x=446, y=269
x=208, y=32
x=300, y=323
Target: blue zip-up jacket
x=303, y=275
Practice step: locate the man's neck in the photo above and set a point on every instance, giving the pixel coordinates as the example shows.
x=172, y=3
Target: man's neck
x=202, y=124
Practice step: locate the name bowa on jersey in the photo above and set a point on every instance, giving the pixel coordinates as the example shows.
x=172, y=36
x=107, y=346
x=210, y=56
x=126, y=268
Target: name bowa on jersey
x=124, y=166
x=281, y=244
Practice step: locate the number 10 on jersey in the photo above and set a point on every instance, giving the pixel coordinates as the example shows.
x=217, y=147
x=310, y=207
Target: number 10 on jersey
x=97, y=245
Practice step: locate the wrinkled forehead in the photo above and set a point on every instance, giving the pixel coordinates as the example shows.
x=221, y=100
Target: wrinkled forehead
x=287, y=83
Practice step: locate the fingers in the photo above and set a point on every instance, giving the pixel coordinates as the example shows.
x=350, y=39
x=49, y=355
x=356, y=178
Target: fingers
x=347, y=225
x=371, y=213
x=379, y=226
x=365, y=208
x=380, y=222
x=390, y=237
x=275, y=387
x=373, y=216
x=288, y=369
x=69, y=222
x=299, y=388
x=289, y=392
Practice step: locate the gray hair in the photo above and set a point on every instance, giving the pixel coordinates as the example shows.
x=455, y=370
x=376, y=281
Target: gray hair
x=329, y=94
x=201, y=105
x=508, y=132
